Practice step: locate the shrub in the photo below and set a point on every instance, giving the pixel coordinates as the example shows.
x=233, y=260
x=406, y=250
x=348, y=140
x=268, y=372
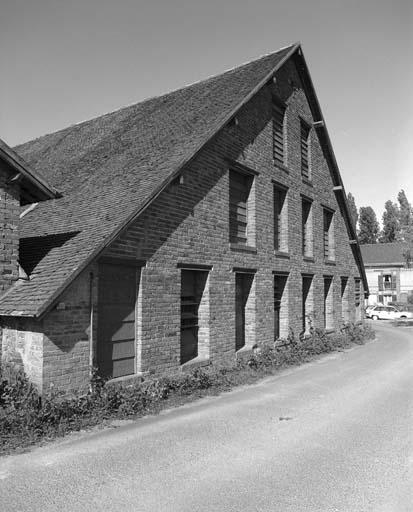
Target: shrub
x=358, y=333
x=25, y=417
x=16, y=392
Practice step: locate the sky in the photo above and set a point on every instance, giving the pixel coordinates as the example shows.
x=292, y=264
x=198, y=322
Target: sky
x=64, y=61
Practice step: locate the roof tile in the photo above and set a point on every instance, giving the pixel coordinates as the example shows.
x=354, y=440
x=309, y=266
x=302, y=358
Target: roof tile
x=383, y=254
x=108, y=168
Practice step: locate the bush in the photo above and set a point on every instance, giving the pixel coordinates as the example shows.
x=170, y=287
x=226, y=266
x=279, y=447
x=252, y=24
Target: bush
x=358, y=333
x=25, y=417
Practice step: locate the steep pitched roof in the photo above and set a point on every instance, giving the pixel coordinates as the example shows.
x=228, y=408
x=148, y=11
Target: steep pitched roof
x=390, y=254
x=110, y=168
x=33, y=186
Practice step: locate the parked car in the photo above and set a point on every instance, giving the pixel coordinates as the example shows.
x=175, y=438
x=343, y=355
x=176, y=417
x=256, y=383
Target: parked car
x=401, y=306
x=387, y=313
x=368, y=309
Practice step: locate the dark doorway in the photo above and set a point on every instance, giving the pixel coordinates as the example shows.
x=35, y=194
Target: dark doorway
x=279, y=285
x=243, y=283
x=116, y=319
x=328, y=303
x=344, y=299
x=306, y=300
x=192, y=288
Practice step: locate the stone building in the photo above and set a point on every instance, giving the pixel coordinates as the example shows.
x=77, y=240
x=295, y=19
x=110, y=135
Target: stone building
x=188, y=228
x=389, y=273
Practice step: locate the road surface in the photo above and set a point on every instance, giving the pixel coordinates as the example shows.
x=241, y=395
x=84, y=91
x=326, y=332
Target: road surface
x=332, y=435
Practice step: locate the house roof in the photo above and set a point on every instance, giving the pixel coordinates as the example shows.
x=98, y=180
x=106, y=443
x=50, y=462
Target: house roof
x=33, y=186
x=110, y=168
x=384, y=254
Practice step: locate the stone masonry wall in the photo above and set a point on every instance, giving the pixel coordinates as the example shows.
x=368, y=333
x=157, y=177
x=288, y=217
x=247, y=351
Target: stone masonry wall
x=54, y=351
x=22, y=348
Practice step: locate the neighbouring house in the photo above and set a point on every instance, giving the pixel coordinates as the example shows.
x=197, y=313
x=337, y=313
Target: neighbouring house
x=185, y=230
x=389, y=275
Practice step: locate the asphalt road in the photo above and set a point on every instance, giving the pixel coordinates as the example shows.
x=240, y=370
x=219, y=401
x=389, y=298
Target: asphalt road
x=333, y=435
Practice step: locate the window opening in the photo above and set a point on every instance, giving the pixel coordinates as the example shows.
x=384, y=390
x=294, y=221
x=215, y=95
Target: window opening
x=307, y=241
x=239, y=192
x=280, y=219
x=305, y=145
x=278, y=133
x=193, y=312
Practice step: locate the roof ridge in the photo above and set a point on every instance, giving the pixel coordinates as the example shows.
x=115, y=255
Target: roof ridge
x=151, y=98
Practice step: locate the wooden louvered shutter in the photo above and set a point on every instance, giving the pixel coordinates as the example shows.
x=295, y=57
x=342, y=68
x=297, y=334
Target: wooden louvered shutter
x=326, y=230
x=327, y=220
x=278, y=133
x=240, y=185
x=305, y=132
x=277, y=218
x=189, y=316
x=381, y=285
x=304, y=228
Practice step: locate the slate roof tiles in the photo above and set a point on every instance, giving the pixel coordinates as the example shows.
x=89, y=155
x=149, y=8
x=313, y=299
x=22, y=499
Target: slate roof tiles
x=384, y=254
x=108, y=169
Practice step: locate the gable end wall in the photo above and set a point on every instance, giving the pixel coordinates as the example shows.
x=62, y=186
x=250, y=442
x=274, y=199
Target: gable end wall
x=188, y=223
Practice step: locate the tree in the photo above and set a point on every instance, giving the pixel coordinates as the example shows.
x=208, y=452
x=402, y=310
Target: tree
x=353, y=208
x=408, y=251
x=406, y=226
x=368, y=226
x=391, y=223
x=405, y=217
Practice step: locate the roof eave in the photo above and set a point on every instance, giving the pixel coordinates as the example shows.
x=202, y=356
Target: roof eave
x=34, y=187
x=327, y=148
x=385, y=264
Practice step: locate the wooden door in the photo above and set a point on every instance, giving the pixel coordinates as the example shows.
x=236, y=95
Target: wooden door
x=116, y=319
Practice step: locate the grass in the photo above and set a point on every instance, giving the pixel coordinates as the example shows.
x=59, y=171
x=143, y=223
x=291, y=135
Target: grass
x=27, y=418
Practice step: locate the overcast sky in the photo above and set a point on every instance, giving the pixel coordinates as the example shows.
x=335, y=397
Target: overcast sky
x=64, y=61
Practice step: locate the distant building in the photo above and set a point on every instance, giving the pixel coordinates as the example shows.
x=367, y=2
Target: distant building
x=190, y=227
x=388, y=277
